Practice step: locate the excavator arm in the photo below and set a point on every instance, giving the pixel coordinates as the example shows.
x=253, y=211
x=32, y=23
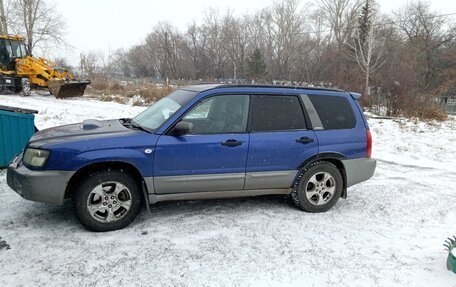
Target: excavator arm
x=44, y=73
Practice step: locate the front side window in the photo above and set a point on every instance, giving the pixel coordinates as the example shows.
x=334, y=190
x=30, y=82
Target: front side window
x=220, y=115
x=154, y=116
x=335, y=112
x=201, y=111
x=277, y=113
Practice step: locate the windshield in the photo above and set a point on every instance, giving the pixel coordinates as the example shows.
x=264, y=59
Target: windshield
x=17, y=50
x=154, y=116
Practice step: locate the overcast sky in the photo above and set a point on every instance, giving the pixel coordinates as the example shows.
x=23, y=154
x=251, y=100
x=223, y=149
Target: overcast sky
x=110, y=24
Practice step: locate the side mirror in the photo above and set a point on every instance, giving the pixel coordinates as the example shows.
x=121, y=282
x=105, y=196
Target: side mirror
x=182, y=128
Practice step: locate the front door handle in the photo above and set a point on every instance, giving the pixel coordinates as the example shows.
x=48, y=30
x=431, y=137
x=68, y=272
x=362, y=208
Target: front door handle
x=231, y=143
x=305, y=140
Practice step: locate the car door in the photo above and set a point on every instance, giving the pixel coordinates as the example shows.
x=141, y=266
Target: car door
x=213, y=157
x=279, y=141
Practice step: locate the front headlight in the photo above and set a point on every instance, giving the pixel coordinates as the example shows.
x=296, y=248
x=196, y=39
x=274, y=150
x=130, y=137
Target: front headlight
x=35, y=157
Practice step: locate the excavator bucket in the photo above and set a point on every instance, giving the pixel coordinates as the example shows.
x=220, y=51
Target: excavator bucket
x=67, y=88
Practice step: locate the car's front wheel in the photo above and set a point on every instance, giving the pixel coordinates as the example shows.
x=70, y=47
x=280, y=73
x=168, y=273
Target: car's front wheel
x=318, y=188
x=107, y=200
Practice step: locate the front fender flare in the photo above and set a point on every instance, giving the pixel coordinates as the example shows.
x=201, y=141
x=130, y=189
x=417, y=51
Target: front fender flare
x=142, y=162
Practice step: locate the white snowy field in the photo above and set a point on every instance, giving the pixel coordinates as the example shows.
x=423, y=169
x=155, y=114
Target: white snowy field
x=389, y=232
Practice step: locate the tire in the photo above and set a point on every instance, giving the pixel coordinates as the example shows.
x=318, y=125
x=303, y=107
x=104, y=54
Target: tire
x=107, y=200
x=25, y=87
x=2, y=84
x=318, y=188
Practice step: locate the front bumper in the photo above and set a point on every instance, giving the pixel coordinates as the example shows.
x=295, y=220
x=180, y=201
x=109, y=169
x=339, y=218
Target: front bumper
x=359, y=170
x=38, y=185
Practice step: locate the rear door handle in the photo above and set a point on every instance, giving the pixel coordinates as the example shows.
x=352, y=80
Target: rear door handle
x=231, y=143
x=305, y=140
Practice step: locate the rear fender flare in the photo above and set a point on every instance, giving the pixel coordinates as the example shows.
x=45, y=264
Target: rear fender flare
x=332, y=157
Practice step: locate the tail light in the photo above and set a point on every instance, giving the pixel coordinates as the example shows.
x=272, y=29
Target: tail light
x=369, y=144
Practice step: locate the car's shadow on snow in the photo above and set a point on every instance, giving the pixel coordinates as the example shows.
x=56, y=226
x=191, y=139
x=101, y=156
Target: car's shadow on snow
x=230, y=207
x=51, y=217
x=184, y=206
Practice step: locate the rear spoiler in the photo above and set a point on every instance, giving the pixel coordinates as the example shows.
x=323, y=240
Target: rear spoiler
x=355, y=96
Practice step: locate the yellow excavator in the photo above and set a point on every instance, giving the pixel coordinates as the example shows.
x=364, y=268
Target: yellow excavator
x=20, y=71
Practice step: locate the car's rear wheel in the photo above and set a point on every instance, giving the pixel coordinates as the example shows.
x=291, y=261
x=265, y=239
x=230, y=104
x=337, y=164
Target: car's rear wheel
x=107, y=200
x=318, y=188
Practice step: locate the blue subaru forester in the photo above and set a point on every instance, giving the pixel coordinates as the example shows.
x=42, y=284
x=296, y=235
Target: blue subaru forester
x=200, y=142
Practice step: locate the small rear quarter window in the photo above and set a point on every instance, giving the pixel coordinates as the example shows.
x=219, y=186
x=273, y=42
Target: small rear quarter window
x=335, y=112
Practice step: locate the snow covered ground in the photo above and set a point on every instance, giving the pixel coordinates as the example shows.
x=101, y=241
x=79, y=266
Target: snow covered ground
x=389, y=232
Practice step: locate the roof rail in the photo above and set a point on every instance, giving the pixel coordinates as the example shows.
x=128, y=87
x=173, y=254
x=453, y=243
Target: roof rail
x=276, y=86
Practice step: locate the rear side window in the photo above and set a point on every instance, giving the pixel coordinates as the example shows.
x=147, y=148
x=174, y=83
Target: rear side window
x=335, y=112
x=277, y=113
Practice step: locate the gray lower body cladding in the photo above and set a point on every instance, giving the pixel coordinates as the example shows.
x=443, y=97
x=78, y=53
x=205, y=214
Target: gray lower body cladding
x=198, y=183
x=154, y=198
x=194, y=187
x=49, y=186
x=42, y=185
x=223, y=182
x=359, y=170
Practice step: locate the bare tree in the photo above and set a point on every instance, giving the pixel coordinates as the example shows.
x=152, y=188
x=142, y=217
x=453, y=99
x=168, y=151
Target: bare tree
x=3, y=22
x=341, y=16
x=212, y=32
x=89, y=63
x=263, y=29
x=236, y=44
x=312, y=47
x=169, y=50
x=107, y=63
x=195, y=44
x=122, y=62
x=288, y=24
x=39, y=22
x=425, y=33
x=368, y=43
x=368, y=52
x=62, y=63
x=143, y=60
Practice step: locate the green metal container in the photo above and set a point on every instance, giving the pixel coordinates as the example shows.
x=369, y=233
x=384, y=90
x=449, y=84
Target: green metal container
x=16, y=128
x=450, y=244
x=451, y=262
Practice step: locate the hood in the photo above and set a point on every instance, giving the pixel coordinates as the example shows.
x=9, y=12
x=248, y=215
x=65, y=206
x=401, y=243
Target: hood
x=88, y=129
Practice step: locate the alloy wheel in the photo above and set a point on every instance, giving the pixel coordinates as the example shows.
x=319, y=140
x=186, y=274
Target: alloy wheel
x=109, y=201
x=320, y=188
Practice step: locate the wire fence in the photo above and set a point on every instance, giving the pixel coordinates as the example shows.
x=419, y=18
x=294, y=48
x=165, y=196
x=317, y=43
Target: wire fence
x=449, y=105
